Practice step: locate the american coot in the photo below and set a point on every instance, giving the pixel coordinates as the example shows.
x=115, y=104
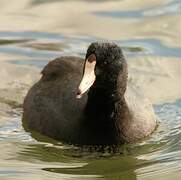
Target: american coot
x=60, y=106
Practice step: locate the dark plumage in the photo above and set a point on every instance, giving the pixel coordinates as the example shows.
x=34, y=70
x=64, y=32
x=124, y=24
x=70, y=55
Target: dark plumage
x=110, y=113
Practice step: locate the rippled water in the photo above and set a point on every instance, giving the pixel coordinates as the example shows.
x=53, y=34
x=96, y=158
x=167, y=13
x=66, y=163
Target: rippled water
x=32, y=32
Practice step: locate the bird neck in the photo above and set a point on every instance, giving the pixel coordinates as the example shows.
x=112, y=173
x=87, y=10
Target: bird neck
x=109, y=87
x=103, y=115
x=105, y=108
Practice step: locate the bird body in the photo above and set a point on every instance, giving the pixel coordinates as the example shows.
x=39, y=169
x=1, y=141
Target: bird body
x=111, y=112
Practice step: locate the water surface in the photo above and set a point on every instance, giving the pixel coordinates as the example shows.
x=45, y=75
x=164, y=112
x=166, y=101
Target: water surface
x=33, y=32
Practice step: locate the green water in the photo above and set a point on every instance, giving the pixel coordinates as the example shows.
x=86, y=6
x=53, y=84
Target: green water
x=32, y=32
